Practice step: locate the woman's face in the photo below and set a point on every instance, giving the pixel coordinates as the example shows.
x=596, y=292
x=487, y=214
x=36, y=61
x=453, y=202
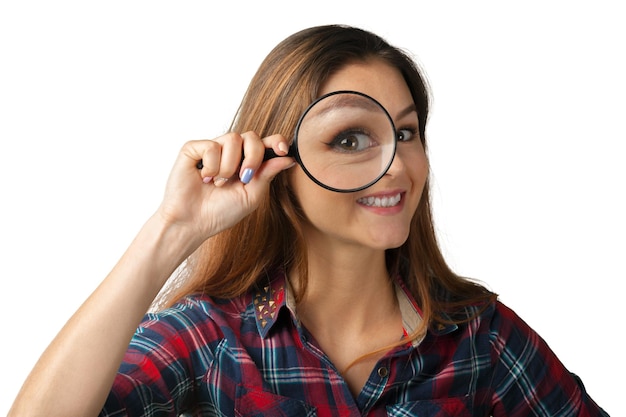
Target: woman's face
x=377, y=217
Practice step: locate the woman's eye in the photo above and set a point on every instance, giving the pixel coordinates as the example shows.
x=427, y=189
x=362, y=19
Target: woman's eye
x=405, y=135
x=351, y=141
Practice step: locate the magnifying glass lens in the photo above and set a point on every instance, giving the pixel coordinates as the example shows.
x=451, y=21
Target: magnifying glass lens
x=345, y=141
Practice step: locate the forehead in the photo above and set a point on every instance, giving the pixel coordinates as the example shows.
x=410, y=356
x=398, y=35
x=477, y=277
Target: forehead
x=375, y=78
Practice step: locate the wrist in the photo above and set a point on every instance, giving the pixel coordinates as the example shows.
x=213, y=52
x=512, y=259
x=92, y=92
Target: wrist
x=164, y=246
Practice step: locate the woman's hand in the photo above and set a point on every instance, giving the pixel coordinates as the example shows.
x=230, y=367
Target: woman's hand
x=225, y=189
x=86, y=354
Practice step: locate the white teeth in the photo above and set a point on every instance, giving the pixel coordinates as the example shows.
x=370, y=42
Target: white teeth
x=380, y=202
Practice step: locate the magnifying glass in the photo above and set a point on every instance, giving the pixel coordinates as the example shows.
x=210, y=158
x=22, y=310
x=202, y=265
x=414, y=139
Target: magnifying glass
x=345, y=141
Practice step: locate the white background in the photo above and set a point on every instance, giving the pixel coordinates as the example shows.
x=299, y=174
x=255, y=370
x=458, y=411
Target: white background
x=526, y=143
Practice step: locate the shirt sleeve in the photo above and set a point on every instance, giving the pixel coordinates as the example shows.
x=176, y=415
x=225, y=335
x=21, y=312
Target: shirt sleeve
x=528, y=378
x=158, y=374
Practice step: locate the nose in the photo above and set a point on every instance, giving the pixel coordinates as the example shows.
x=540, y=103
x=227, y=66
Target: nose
x=397, y=165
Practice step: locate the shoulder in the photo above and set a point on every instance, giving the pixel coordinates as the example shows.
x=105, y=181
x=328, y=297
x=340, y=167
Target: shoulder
x=527, y=373
x=497, y=324
x=499, y=321
x=514, y=343
x=193, y=320
x=506, y=323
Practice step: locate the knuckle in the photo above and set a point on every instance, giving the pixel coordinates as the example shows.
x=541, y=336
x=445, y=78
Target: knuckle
x=190, y=144
x=212, y=145
x=232, y=137
x=250, y=134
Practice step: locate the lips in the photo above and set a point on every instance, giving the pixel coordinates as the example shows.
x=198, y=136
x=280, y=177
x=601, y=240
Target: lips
x=385, y=201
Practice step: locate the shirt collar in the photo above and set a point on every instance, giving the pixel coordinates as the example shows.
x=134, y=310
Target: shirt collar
x=271, y=298
x=412, y=315
x=268, y=301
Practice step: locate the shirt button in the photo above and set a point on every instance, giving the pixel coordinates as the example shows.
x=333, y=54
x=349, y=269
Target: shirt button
x=383, y=372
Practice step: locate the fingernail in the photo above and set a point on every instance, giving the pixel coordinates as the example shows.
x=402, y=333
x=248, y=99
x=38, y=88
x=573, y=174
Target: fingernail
x=246, y=175
x=207, y=180
x=283, y=147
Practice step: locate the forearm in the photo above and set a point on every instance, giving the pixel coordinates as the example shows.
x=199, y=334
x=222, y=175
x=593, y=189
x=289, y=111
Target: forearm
x=75, y=373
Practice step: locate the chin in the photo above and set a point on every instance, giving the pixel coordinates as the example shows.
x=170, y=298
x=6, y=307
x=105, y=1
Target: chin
x=390, y=242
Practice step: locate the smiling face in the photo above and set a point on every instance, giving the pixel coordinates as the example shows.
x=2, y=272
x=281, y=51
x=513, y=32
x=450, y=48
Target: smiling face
x=379, y=216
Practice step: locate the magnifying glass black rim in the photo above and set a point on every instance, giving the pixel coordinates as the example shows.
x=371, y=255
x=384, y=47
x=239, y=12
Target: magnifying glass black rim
x=310, y=175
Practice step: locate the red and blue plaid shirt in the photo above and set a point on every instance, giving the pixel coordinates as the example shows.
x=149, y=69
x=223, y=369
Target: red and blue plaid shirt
x=250, y=356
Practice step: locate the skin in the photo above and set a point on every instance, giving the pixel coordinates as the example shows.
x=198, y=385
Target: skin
x=74, y=374
x=346, y=250
x=346, y=239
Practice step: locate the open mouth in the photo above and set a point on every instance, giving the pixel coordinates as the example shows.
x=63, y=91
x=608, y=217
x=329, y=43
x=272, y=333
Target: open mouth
x=386, y=201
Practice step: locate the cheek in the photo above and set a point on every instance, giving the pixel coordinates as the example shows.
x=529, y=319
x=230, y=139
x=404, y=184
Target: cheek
x=415, y=161
x=305, y=190
x=315, y=201
x=422, y=169
x=419, y=172
x=422, y=165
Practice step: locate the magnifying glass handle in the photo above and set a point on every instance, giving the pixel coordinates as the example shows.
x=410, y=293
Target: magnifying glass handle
x=269, y=154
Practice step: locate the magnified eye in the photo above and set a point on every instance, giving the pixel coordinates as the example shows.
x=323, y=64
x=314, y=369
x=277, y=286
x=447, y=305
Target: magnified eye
x=351, y=141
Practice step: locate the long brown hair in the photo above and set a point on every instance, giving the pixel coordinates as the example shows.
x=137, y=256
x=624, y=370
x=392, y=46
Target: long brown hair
x=270, y=238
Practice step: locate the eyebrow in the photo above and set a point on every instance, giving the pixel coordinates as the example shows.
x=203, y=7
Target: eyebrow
x=408, y=110
x=345, y=100
x=355, y=100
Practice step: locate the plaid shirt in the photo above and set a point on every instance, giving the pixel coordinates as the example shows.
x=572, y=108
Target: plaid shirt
x=249, y=356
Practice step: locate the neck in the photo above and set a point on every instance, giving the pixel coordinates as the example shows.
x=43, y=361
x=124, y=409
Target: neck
x=351, y=309
x=352, y=284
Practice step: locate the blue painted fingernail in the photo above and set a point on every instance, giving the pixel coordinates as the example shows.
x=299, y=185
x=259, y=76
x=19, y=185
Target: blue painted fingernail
x=246, y=175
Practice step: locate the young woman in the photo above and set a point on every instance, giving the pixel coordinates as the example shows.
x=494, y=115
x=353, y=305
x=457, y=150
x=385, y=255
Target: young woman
x=297, y=297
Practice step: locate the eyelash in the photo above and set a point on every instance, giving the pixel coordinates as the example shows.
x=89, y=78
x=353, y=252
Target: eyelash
x=412, y=136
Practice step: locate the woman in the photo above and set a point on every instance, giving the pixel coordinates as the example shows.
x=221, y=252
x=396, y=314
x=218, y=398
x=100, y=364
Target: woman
x=295, y=299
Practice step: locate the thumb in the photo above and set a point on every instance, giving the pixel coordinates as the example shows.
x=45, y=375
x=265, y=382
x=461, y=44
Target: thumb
x=266, y=173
